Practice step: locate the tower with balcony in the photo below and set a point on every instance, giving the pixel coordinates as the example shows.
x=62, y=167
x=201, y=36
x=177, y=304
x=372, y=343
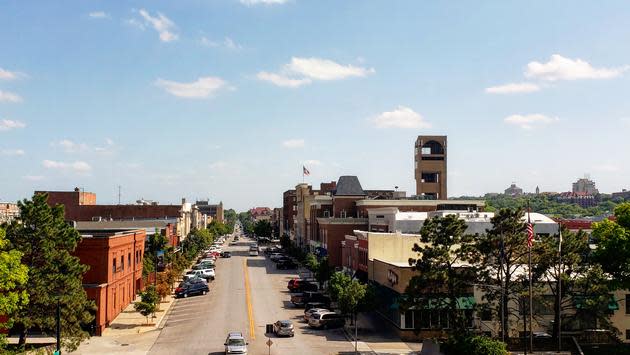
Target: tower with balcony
x=430, y=167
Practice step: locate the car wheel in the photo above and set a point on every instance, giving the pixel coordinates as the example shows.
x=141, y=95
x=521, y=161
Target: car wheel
x=185, y=295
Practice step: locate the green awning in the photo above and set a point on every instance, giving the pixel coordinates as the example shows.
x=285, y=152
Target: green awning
x=581, y=302
x=467, y=302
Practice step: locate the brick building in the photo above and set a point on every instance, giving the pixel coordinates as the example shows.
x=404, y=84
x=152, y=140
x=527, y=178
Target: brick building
x=81, y=206
x=430, y=167
x=289, y=213
x=115, y=274
x=8, y=212
x=215, y=211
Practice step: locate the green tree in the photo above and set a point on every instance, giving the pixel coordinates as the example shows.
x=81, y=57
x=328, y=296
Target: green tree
x=54, y=274
x=613, y=246
x=338, y=282
x=324, y=271
x=351, y=296
x=230, y=218
x=581, y=280
x=441, y=277
x=310, y=262
x=263, y=229
x=148, y=302
x=504, y=251
x=13, y=278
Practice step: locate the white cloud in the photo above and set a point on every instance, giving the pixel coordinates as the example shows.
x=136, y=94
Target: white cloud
x=7, y=125
x=218, y=165
x=108, y=148
x=609, y=168
x=33, y=177
x=77, y=166
x=513, y=88
x=281, y=80
x=69, y=146
x=312, y=162
x=530, y=121
x=324, y=69
x=162, y=24
x=561, y=68
x=302, y=71
x=228, y=43
x=401, y=117
x=6, y=96
x=98, y=14
x=201, y=88
x=263, y=2
x=12, y=152
x=293, y=143
x=9, y=75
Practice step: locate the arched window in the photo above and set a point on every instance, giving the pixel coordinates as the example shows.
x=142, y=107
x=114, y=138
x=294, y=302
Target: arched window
x=432, y=147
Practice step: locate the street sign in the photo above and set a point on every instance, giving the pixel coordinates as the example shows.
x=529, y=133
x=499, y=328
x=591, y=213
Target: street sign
x=269, y=342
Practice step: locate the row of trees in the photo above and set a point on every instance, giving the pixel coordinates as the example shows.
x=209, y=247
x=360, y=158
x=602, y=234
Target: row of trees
x=450, y=263
x=547, y=205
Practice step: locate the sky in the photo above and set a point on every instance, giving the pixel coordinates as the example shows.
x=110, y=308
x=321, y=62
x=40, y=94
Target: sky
x=226, y=100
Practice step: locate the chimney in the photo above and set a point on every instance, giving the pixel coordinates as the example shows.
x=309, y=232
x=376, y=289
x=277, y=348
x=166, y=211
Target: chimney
x=183, y=200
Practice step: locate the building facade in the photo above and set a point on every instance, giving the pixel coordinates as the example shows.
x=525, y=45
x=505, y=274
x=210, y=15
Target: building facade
x=8, y=212
x=430, y=167
x=585, y=186
x=289, y=213
x=514, y=190
x=115, y=274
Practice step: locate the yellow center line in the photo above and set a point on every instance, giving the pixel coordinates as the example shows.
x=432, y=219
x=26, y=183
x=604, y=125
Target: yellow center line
x=248, y=300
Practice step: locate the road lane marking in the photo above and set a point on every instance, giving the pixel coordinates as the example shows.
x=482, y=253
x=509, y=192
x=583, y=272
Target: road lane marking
x=248, y=300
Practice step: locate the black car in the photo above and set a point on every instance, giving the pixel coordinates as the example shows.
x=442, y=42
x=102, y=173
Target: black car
x=286, y=264
x=226, y=254
x=194, y=287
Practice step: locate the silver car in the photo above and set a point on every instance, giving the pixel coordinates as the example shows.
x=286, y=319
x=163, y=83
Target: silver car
x=235, y=343
x=309, y=312
x=283, y=328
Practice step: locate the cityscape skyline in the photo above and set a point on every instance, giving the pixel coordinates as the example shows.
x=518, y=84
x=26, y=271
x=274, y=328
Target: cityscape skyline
x=210, y=100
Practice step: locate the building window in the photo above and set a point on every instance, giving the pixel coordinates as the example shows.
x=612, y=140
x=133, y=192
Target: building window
x=627, y=303
x=408, y=320
x=122, y=263
x=326, y=213
x=627, y=334
x=342, y=214
x=114, y=266
x=129, y=259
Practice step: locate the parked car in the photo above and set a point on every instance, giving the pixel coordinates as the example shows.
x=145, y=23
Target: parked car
x=193, y=287
x=226, y=254
x=301, y=299
x=284, y=264
x=276, y=256
x=203, y=266
x=309, y=312
x=283, y=327
x=253, y=252
x=301, y=285
x=326, y=320
x=316, y=304
x=235, y=343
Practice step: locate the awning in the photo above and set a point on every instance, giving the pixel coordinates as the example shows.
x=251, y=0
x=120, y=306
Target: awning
x=466, y=302
x=581, y=302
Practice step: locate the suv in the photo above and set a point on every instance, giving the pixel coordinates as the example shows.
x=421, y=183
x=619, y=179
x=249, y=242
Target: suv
x=300, y=285
x=309, y=312
x=235, y=343
x=326, y=320
x=193, y=287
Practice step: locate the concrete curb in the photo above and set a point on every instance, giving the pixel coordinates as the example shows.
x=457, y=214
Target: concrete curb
x=162, y=323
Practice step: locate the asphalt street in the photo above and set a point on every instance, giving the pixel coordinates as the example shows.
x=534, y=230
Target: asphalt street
x=243, y=302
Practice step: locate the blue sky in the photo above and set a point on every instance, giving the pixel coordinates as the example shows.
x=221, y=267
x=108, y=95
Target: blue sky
x=227, y=99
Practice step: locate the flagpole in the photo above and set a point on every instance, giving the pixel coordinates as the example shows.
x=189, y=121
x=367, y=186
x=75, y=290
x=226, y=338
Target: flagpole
x=531, y=316
x=560, y=290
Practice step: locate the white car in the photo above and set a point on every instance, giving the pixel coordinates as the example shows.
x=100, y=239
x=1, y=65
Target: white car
x=253, y=252
x=205, y=274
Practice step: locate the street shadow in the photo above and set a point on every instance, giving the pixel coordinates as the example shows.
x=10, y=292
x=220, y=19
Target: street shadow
x=125, y=326
x=217, y=353
x=255, y=263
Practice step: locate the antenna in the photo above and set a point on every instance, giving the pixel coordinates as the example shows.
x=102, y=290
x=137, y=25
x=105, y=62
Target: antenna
x=119, y=194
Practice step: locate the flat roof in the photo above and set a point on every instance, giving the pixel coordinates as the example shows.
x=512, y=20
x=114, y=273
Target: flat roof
x=394, y=203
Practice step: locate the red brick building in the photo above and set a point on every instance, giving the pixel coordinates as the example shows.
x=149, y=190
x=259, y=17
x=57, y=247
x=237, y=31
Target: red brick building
x=115, y=274
x=81, y=206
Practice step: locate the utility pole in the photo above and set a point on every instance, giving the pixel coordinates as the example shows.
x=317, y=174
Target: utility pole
x=58, y=351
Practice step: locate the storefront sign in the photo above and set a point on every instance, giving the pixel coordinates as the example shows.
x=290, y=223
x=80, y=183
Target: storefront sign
x=392, y=277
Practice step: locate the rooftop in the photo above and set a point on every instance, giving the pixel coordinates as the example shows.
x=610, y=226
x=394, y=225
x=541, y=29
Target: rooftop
x=349, y=185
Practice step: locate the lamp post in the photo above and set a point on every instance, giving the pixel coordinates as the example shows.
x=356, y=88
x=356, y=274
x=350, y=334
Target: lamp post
x=58, y=351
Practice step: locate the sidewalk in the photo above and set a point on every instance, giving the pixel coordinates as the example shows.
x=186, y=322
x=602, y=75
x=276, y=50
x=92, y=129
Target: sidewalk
x=375, y=336
x=129, y=333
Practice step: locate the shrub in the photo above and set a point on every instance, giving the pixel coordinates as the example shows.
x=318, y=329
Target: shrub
x=474, y=345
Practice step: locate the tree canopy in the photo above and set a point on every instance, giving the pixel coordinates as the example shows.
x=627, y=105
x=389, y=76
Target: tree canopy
x=47, y=242
x=13, y=278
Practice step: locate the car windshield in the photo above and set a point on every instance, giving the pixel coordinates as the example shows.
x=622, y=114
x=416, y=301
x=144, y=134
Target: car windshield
x=285, y=324
x=236, y=342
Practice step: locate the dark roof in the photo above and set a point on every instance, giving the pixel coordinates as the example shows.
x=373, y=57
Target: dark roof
x=349, y=186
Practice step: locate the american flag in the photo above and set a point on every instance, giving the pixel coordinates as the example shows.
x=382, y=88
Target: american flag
x=305, y=171
x=530, y=235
